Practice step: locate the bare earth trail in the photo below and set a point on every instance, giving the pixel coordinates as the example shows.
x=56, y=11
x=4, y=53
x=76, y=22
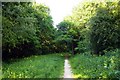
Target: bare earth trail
x=67, y=70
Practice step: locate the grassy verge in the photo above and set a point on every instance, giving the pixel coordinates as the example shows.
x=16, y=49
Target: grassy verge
x=0, y=71
x=88, y=66
x=43, y=66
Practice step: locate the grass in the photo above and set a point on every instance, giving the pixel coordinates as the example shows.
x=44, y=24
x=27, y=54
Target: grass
x=88, y=66
x=0, y=71
x=43, y=66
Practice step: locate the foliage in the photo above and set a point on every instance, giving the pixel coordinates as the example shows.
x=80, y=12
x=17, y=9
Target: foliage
x=24, y=29
x=0, y=71
x=28, y=29
x=104, y=28
x=68, y=34
x=92, y=28
x=61, y=35
x=44, y=66
x=88, y=66
x=96, y=26
x=78, y=32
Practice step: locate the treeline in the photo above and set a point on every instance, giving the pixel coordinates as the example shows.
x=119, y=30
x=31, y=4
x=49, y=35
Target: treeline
x=27, y=30
x=93, y=27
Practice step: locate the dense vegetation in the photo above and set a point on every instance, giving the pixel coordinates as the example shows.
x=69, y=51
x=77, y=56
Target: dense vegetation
x=93, y=26
x=88, y=66
x=91, y=34
x=27, y=30
x=35, y=67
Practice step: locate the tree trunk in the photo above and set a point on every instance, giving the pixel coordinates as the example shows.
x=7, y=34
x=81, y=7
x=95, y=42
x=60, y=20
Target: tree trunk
x=72, y=48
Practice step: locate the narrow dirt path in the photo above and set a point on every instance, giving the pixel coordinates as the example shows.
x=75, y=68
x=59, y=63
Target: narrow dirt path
x=67, y=70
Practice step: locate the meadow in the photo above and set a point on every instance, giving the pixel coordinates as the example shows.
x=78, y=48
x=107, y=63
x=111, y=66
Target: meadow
x=43, y=66
x=88, y=66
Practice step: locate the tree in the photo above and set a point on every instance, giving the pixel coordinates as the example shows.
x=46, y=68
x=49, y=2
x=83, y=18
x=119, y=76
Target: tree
x=24, y=29
x=104, y=28
x=68, y=35
x=79, y=31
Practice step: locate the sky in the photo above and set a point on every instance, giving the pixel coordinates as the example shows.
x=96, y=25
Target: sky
x=59, y=8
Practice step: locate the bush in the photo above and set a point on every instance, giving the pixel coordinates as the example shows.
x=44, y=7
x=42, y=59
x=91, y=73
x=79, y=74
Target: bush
x=88, y=66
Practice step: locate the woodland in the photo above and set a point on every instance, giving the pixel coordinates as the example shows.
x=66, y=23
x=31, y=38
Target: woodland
x=32, y=47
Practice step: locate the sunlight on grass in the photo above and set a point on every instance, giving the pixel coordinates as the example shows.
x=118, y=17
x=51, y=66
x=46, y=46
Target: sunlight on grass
x=87, y=66
x=43, y=66
x=80, y=76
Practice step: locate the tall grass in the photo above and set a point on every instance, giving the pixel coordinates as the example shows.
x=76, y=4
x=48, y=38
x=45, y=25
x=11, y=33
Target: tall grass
x=88, y=66
x=0, y=71
x=43, y=66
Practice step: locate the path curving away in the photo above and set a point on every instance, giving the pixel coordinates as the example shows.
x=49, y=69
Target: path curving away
x=67, y=70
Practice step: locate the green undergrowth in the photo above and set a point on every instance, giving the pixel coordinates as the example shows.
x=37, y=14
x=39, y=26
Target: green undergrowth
x=91, y=66
x=42, y=66
x=0, y=71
